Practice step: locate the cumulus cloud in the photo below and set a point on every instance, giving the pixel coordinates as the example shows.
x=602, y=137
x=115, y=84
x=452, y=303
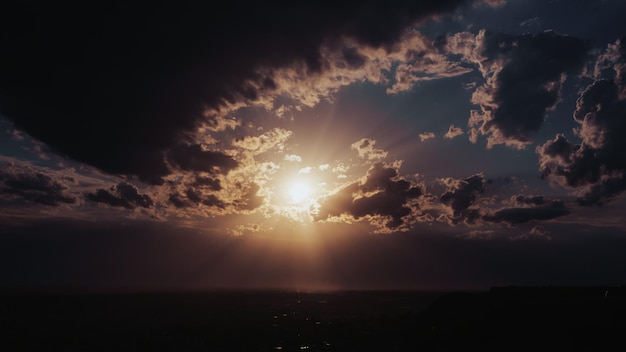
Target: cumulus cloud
x=426, y=136
x=523, y=78
x=460, y=200
x=385, y=199
x=421, y=59
x=453, y=131
x=293, y=157
x=305, y=170
x=193, y=198
x=366, y=150
x=27, y=184
x=122, y=195
x=596, y=165
x=264, y=142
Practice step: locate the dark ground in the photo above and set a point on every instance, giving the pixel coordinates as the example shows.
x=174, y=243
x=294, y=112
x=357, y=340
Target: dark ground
x=502, y=319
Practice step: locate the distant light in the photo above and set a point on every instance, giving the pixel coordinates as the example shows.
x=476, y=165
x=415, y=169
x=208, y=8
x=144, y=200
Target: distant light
x=299, y=191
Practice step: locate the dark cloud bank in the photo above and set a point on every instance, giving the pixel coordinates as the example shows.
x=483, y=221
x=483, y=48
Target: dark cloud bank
x=33, y=186
x=116, y=86
x=597, y=164
x=524, y=75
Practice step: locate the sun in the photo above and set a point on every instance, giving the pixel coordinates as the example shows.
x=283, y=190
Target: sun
x=299, y=192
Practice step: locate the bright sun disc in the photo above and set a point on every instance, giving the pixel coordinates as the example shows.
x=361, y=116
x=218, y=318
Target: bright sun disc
x=299, y=192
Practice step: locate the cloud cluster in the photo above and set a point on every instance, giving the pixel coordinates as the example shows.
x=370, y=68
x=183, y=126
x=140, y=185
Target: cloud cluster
x=119, y=87
x=206, y=196
x=463, y=204
x=27, y=184
x=596, y=165
x=460, y=199
x=122, y=195
x=523, y=79
x=382, y=197
x=366, y=150
x=392, y=203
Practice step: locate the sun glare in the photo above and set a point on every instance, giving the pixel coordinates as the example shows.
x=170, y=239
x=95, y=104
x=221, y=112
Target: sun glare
x=299, y=192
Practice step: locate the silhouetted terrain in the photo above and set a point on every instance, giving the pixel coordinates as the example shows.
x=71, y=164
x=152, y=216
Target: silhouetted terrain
x=503, y=319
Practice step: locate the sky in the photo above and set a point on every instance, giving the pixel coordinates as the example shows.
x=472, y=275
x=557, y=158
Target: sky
x=312, y=145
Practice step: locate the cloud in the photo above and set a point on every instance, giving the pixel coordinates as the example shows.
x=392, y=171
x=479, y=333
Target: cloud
x=193, y=198
x=597, y=165
x=532, y=200
x=385, y=199
x=195, y=157
x=426, y=135
x=540, y=230
x=199, y=194
x=118, y=89
x=525, y=208
x=525, y=214
x=453, y=132
x=492, y=3
x=460, y=199
x=421, y=59
x=274, y=138
x=27, y=184
x=122, y=195
x=305, y=170
x=366, y=150
x=523, y=78
x=293, y=157
x=250, y=199
x=217, y=123
x=207, y=182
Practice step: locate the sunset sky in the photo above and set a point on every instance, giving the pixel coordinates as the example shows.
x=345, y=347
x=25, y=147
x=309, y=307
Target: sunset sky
x=314, y=145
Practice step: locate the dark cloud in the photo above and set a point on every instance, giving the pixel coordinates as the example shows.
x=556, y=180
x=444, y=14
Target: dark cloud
x=521, y=215
x=33, y=186
x=597, y=164
x=129, y=193
x=179, y=201
x=195, y=158
x=461, y=196
x=210, y=183
x=198, y=190
x=122, y=195
x=524, y=75
x=193, y=198
x=532, y=200
x=118, y=85
x=382, y=194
